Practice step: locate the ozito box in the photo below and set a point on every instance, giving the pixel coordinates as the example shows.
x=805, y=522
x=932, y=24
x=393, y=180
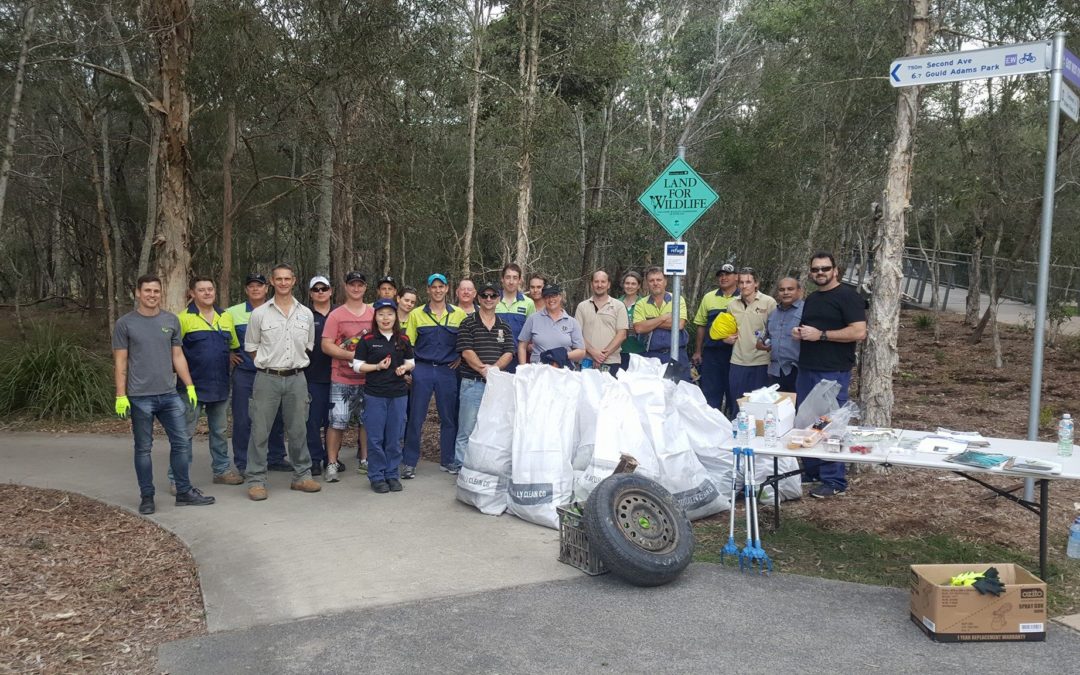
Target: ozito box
x=962, y=614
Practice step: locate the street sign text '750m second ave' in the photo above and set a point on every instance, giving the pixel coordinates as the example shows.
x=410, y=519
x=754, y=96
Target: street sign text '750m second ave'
x=974, y=64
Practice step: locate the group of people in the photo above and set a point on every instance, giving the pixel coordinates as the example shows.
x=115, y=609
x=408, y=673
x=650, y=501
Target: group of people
x=305, y=372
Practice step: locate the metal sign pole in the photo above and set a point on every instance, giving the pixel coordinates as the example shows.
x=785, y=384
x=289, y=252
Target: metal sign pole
x=1046, y=227
x=676, y=291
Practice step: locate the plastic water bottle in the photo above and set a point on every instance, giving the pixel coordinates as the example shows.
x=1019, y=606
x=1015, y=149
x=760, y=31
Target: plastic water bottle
x=586, y=363
x=1065, y=439
x=1073, y=549
x=770, y=430
x=742, y=425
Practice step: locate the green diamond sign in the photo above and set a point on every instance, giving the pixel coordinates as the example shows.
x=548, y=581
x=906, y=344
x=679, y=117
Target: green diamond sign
x=677, y=198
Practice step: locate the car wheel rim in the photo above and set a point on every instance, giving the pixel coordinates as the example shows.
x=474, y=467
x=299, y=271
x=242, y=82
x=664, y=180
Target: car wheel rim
x=645, y=522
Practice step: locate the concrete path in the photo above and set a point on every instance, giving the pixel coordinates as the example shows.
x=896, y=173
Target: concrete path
x=710, y=620
x=299, y=555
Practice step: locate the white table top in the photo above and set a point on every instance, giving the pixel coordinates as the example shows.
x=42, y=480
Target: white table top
x=881, y=454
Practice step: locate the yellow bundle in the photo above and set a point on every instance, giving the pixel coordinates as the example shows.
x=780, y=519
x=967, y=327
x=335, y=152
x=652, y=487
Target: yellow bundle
x=723, y=326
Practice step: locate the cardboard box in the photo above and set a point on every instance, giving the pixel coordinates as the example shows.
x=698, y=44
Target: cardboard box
x=784, y=410
x=961, y=614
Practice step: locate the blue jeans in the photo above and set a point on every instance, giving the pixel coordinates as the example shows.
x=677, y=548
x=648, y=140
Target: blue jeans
x=384, y=419
x=787, y=382
x=217, y=422
x=318, y=420
x=831, y=473
x=243, y=385
x=429, y=379
x=469, y=397
x=171, y=411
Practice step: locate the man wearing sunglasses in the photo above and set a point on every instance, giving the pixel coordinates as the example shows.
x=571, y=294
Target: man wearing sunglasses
x=320, y=293
x=486, y=343
x=833, y=321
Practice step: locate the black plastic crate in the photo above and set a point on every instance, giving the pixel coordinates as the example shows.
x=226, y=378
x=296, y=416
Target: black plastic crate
x=573, y=544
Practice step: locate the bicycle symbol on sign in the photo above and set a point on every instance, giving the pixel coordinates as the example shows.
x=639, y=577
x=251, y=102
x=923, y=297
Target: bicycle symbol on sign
x=1028, y=57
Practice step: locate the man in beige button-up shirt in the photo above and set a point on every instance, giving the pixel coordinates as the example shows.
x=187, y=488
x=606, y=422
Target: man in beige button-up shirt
x=280, y=334
x=749, y=365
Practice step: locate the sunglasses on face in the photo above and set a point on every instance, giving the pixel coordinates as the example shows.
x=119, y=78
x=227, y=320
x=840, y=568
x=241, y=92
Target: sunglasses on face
x=321, y=289
x=820, y=270
x=489, y=296
x=746, y=270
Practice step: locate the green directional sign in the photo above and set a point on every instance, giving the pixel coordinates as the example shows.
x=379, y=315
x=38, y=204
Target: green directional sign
x=677, y=198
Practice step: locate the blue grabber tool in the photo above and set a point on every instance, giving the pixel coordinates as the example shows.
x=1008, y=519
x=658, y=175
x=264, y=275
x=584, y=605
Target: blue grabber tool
x=752, y=555
x=730, y=548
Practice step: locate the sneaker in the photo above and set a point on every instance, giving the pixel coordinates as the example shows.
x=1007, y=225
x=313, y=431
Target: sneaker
x=228, y=478
x=279, y=466
x=825, y=491
x=395, y=484
x=146, y=505
x=340, y=466
x=452, y=469
x=331, y=473
x=257, y=493
x=362, y=469
x=305, y=485
x=380, y=486
x=408, y=472
x=316, y=468
x=193, y=498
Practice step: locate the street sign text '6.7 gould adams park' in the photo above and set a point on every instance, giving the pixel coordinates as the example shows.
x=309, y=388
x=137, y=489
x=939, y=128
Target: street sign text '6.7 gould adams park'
x=677, y=198
x=1018, y=59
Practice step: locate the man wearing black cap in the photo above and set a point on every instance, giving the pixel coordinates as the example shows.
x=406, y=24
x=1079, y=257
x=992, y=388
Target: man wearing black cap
x=486, y=343
x=387, y=288
x=345, y=327
x=713, y=357
x=243, y=383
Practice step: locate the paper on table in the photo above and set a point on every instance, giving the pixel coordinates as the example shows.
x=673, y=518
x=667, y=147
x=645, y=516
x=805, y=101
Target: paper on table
x=972, y=438
x=1030, y=464
x=939, y=445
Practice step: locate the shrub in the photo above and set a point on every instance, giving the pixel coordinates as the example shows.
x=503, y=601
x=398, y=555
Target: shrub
x=51, y=376
x=925, y=321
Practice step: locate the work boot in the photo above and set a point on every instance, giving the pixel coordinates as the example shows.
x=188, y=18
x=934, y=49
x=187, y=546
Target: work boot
x=380, y=486
x=305, y=485
x=394, y=483
x=193, y=498
x=228, y=478
x=279, y=466
x=146, y=505
x=257, y=493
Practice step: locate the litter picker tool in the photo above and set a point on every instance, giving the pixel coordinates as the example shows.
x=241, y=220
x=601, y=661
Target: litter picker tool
x=753, y=555
x=730, y=548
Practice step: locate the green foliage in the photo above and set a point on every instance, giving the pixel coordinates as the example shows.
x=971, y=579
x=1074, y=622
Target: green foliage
x=52, y=376
x=925, y=321
x=1047, y=417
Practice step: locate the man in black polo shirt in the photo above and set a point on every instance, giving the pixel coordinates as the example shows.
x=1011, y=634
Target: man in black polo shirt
x=485, y=342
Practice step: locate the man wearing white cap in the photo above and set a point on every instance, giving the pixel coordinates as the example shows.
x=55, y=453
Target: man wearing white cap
x=320, y=292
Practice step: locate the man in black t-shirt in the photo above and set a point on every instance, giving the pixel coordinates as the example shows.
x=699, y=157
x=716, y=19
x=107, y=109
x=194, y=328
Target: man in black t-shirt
x=318, y=374
x=833, y=321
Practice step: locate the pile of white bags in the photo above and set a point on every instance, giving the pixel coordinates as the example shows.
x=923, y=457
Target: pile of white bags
x=548, y=435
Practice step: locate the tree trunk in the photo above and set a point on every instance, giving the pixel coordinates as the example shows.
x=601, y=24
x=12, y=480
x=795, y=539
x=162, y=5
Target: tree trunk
x=883, y=322
x=110, y=210
x=102, y=220
x=326, y=212
x=477, y=25
x=583, y=199
x=974, y=294
x=227, y=207
x=13, y=115
x=173, y=23
x=528, y=68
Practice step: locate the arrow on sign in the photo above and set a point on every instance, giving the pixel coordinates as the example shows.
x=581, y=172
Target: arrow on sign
x=973, y=64
x=894, y=71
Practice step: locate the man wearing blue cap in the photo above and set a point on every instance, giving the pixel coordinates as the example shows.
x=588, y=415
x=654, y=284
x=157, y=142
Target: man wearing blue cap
x=432, y=329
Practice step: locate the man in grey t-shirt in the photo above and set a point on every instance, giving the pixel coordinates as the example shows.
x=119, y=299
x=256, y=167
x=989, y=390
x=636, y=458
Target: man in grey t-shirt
x=146, y=352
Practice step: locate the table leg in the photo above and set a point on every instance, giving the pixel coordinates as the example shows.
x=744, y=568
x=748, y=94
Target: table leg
x=776, y=493
x=1044, y=515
